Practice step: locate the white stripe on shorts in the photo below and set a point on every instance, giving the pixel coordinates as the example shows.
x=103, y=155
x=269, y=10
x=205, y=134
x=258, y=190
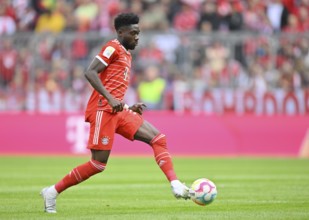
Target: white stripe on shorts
x=98, y=121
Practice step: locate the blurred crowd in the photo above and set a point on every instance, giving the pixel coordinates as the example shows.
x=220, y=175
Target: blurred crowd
x=192, y=45
x=182, y=15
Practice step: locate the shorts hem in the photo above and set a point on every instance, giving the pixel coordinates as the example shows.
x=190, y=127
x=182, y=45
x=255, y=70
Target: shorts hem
x=134, y=132
x=98, y=148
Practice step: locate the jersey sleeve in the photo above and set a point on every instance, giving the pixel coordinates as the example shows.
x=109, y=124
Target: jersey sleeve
x=107, y=54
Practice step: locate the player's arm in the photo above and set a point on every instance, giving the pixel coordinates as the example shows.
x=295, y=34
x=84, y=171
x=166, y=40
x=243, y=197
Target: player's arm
x=92, y=76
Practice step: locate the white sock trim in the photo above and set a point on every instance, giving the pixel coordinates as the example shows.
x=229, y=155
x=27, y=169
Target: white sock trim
x=175, y=183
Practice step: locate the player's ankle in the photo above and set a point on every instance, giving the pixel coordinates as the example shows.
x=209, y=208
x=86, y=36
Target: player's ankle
x=53, y=191
x=175, y=182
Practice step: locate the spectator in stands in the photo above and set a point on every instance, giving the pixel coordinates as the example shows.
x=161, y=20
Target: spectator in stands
x=52, y=21
x=167, y=43
x=8, y=62
x=182, y=56
x=154, y=17
x=272, y=76
x=209, y=18
x=302, y=62
x=7, y=23
x=24, y=65
x=71, y=23
x=45, y=47
x=25, y=15
x=290, y=79
x=3, y=100
x=150, y=55
x=293, y=25
x=290, y=5
x=42, y=6
x=186, y=19
x=263, y=54
x=27, y=20
x=224, y=9
x=198, y=87
x=16, y=91
x=136, y=7
x=49, y=95
x=150, y=89
x=277, y=14
x=257, y=82
x=107, y=10
x=255, y=18
x=304, y=3
x=79, y=49
x=60, y=73
x=217, y=55
x=234, y=19
x=303, y=16
x=86, y=13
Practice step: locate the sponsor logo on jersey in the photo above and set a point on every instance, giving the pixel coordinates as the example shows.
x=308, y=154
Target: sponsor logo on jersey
x=108, y=51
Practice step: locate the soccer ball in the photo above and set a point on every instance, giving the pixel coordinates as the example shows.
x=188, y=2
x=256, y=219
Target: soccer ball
x=203, y=191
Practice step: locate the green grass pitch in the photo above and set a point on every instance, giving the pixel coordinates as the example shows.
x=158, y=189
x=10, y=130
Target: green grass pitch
x=135, y=188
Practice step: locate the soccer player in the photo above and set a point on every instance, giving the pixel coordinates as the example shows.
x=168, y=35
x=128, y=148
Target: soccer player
x=109, y=75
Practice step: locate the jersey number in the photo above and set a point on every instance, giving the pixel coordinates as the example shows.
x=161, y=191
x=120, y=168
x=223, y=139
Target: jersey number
x=125, y=74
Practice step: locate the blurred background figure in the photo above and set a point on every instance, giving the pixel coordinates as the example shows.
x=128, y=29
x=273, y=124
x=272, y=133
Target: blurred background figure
x=7, y=22
x=51, y=20
x=209, y=19
x=151, y=88
x=182, y=38
x=186, y=18
x=85, y=13
x=277, y=14
x=8, y=61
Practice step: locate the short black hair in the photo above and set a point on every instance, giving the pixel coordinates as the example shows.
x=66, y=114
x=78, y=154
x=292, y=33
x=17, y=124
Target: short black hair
x=125, y=19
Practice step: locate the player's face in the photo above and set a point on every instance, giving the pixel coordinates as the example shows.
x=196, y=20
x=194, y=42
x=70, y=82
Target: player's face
x=129, y=36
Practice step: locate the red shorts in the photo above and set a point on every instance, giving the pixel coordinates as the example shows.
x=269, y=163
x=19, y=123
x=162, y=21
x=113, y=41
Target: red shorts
x=104, y=125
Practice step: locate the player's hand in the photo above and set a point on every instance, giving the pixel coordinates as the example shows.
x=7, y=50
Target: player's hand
x=138, y=108
x=116, y=105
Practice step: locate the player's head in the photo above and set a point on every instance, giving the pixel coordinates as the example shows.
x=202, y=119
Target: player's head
x=126, y=25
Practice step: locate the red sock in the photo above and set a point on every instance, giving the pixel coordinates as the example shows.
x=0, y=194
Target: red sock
x=79, y=174
x=162, y=156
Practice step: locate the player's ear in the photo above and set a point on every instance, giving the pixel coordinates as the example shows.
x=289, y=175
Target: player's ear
x=120, y=31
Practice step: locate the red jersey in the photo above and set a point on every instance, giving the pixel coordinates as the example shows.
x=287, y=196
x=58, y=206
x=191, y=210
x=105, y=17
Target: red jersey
x=115, y=77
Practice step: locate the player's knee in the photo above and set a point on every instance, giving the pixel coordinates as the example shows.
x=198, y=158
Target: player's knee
x=159, y=141
x=100, y=155
x=98, y=166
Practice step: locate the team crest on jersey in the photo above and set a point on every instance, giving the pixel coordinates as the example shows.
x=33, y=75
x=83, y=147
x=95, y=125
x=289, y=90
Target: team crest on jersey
x=108, y=51
x=105, y=140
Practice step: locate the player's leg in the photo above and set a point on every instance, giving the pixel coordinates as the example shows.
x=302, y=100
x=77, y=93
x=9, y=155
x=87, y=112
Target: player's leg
x=100, y=150
x=150, y=135
x=77, y=175
x=133, y=127
x=82, y=172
